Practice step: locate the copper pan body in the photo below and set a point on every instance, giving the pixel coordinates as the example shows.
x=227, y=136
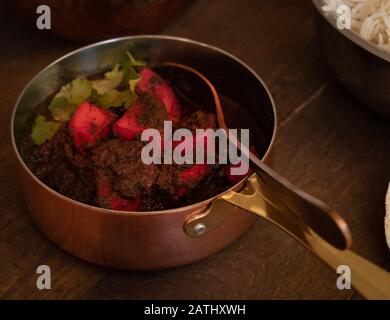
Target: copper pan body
x=139, y=240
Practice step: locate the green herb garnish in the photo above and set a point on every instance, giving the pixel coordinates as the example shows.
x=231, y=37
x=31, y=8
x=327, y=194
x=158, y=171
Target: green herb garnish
x=129, y=70
x=61, y=109
x=115, y=98
x=112, y=79
x=43, y=130
x=69, y=97
x=105, y=93
x=116, y=89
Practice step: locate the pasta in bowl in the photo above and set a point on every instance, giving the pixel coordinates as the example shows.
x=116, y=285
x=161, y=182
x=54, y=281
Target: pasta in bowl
x=368, y=18
x=358, y=56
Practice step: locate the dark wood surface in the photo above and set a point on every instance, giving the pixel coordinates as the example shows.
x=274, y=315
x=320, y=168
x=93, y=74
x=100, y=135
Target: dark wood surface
x=328, y=144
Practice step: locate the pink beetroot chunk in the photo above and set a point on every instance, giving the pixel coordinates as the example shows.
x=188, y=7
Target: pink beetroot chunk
x=152, y=83
x=107, y=198
x=128, y=127
x=89, y=124
x=194, y=174
x=190, y=177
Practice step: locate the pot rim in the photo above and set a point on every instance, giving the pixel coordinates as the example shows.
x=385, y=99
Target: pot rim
x=139, y=213
x=352, y=35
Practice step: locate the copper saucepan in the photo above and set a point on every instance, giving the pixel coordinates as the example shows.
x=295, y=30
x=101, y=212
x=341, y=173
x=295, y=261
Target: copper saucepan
x=171, y=238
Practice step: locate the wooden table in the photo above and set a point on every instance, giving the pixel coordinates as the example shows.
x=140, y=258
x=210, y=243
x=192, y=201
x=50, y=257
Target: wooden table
x=328, y=144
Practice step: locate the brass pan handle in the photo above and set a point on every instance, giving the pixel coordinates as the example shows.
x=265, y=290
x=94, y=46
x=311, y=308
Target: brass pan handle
x=305, y=218
x=369, y=280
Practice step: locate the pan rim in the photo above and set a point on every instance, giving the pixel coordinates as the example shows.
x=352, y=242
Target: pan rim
x=139, y=213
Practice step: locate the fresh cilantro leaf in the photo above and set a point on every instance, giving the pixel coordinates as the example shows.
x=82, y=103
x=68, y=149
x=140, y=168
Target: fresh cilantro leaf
x=102, y=92
x=69, y=97
x=129, y=73
x=43, y=130
x=61, y=109
x=111, y=80
x=135, y=62
x=115, y=98
x=80, y=90
x=129, y=70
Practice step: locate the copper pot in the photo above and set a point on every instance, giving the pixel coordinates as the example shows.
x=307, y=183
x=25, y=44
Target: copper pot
x=142, y=240
x=170, y=238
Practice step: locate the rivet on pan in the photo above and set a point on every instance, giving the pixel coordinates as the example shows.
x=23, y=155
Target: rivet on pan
x=199, y=229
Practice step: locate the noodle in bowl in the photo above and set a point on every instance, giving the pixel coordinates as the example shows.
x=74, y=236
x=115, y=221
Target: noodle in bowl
x=369, y=18
x=355, y=42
